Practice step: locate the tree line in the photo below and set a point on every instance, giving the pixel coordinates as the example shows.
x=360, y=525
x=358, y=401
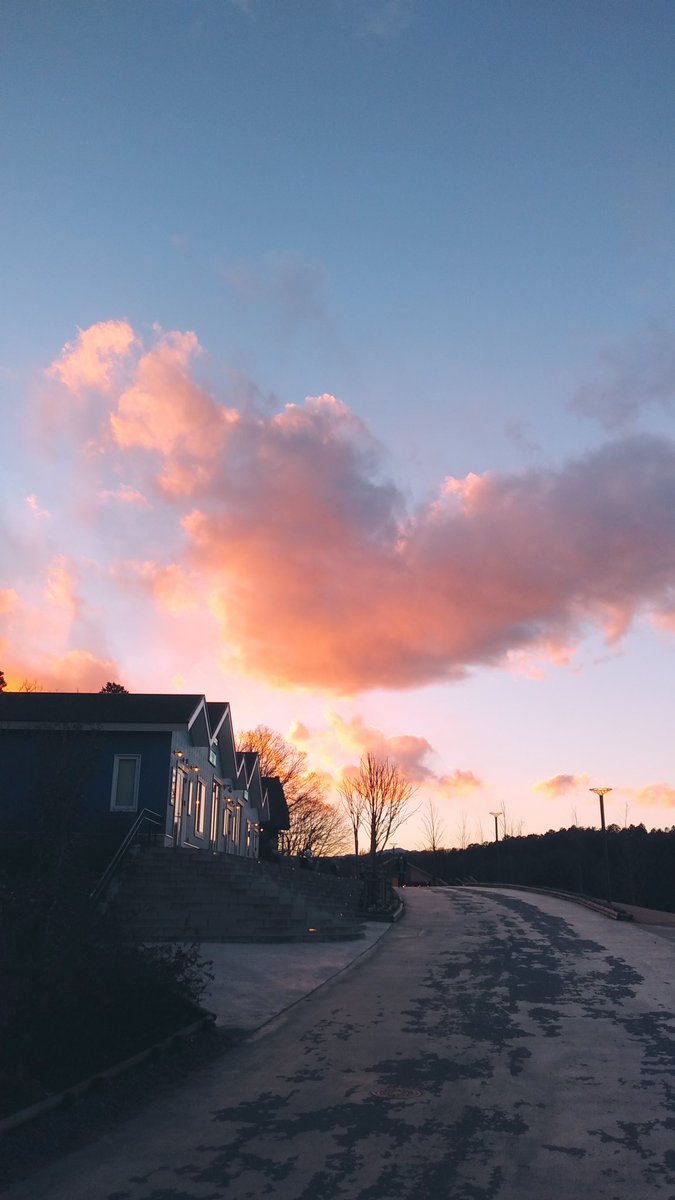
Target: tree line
x=641, y=863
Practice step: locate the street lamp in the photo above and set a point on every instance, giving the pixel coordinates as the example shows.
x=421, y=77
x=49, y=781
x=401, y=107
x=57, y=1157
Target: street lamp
x=496, y=816
x=601, y=792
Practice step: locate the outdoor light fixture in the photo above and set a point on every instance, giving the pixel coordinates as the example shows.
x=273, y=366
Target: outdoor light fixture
x=601, y=792
x=496, y=816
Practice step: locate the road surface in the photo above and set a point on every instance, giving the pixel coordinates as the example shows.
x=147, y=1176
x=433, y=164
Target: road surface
x=493, y=1046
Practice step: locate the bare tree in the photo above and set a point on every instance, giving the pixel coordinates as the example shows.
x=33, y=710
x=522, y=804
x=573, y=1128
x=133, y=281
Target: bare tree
x=314, y=822
x=353, y=805
x=511, y=826
x=31, y=685
x=463, y=831
x=433, y=828
x=385, y=794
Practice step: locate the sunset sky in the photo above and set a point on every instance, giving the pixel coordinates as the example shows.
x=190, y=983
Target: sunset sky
x=337, y=368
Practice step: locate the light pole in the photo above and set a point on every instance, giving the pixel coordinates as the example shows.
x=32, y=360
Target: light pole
x=601, y=792
x=496, y=816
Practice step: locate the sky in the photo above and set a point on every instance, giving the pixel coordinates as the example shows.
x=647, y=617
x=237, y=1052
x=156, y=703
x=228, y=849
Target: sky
x=337, y=368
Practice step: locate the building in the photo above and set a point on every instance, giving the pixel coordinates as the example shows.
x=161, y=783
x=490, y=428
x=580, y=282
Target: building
x=96, y=761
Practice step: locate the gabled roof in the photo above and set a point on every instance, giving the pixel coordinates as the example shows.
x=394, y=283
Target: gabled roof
x=87, y=710
x=217, y=711
x=249, y=760
x=276, y=800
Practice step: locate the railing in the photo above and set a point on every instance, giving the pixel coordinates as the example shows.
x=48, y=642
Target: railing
x=377, y=894
x=146, y=817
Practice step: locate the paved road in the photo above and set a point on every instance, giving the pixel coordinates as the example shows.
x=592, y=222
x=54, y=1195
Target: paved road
x=492, y=1047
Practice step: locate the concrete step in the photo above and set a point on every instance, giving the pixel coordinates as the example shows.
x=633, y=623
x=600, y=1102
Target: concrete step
x=172, y=895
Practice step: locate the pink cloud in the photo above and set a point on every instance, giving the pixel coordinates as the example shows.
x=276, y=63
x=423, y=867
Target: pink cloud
x=126, y=495
x=315, y=566
x=33, y=505
x=92, y=360
x=559, y=785
x=346, y=741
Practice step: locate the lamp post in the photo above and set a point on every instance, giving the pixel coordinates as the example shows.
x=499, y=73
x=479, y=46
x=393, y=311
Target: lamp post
x=496, y=816
x=601, y=792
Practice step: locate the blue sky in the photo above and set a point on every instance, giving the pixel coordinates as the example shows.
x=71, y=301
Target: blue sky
x=456, y=218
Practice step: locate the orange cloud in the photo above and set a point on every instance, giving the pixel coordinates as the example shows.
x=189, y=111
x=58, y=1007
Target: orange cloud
x=34, y=632
x=657, y=795
x=460, y=783
x=60, y=586
x=559, y=785
x=165, y=411
x=9, y=600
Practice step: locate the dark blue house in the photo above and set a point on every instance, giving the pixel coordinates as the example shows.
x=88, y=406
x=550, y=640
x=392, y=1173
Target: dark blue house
x=96, y=760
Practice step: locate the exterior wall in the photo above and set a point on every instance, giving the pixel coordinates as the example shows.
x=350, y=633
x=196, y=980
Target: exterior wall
x=65, y=777
x=68, y=774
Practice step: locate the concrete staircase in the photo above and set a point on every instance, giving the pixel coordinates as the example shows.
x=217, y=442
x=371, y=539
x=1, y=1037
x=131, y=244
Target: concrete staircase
x=192, y=895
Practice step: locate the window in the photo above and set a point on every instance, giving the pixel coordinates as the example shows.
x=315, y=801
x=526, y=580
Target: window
x=213, y=757
x=235, y=827
x=200, y=805
x=180, y=785
x=126, y=774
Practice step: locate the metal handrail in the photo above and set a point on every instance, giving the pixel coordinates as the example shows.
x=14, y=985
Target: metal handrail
x=146, y=814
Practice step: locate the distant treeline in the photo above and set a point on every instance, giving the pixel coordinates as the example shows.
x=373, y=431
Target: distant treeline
x=641, y=863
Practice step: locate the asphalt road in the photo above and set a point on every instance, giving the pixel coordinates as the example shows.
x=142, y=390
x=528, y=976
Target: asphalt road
x=491, y=1047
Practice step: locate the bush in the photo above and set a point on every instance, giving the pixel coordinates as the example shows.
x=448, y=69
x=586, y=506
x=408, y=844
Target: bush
x=77, y=997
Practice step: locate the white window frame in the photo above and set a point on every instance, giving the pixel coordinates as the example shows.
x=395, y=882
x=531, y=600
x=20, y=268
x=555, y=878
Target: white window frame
x=118, y=758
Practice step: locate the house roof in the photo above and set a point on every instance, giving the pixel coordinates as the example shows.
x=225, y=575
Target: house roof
x=249, y=760
x=217, y=710
x=278, y=818
x=94, y=709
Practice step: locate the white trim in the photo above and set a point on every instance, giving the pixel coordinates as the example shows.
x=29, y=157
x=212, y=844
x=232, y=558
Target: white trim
x=135, y=758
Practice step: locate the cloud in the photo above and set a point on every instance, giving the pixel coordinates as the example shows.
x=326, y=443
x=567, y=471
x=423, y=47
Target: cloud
x=407, y=751
x=60, y=589
x=345, y=741
x=93, y=359
x=318, y=572
x=560, y=785
x=631, y=381
x=517, y=433
x=379, y=18
x=36, y=627
x=166, y=412
x=126, y=495
x=460, y=783
x=657, y=795
x=33, y=505
x=9, y=600
x=289, y=286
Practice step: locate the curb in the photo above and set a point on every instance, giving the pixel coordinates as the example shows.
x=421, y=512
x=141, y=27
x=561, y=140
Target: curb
x=24, y=1115
x=599, y=906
